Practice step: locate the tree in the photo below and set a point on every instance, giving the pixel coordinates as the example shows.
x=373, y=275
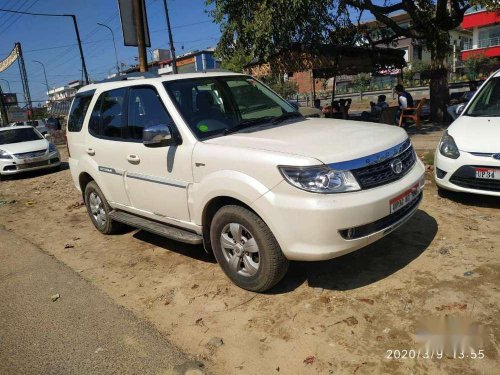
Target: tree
x=431, y=22
x=262, y=27
x=473, y=64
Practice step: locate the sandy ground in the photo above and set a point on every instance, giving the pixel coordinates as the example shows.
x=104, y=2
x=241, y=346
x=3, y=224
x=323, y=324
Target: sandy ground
x=334, y=317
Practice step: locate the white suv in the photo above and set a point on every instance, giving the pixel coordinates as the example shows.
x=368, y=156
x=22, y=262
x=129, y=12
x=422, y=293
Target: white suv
x=220, y=159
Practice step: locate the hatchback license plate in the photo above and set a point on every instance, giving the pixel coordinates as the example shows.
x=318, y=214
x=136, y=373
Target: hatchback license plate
x=488, y=173
x=404, y=199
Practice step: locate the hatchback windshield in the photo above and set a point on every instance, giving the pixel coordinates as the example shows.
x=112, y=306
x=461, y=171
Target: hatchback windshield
x=214, y=106
x=18, y=135
x=487, y=101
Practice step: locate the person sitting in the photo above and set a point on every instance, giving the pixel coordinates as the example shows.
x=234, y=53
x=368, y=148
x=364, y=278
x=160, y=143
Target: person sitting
x=376, y=109
x=452, y=109
x=405, y=100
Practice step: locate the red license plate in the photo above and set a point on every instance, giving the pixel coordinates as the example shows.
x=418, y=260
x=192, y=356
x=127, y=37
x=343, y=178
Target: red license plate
x=404, y=199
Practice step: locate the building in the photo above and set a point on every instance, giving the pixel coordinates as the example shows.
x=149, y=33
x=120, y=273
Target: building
x=60, y=98
x=196, y=61
x=460, y=38
x=485, y=28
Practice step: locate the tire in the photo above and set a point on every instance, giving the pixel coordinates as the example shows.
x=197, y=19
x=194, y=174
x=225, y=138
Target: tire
x=100, y=219
x=256, y=270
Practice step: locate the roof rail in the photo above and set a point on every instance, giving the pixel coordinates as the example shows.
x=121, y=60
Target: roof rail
x=130, y=76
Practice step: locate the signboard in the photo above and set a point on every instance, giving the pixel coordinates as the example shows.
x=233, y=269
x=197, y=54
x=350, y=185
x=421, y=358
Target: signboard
x=128, y=26
x=16, y=114
x=9, y=99
x=4, y=64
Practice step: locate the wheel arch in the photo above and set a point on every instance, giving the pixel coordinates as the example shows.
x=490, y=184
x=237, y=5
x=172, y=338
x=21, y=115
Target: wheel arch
x=209, y=211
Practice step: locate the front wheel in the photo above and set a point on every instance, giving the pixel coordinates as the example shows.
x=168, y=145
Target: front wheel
x=246, y=249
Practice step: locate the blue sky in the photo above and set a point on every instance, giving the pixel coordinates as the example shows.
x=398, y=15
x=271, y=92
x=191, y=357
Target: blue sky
x=52, y=40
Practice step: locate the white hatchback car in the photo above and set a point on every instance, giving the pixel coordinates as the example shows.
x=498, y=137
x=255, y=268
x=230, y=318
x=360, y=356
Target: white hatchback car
x=220, y=159
x=467, y=158
x=23, y=148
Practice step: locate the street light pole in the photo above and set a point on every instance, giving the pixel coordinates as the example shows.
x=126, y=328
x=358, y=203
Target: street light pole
x=172, y=47
x=114, y=45
x=45, y=75
x=8, y=84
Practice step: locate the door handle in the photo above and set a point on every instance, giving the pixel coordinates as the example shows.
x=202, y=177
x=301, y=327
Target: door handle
x=134, y=159
x=91, y=151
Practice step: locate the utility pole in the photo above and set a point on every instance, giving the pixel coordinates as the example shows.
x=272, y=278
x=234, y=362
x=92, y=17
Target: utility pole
x=172, y=47
x=3, y=110
x=139, y=31
x=73, y=17
x=84, y=67
x=114, y=45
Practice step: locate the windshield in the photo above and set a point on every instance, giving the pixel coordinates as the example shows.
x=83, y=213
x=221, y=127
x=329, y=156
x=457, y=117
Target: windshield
x=214, y=106
x=487, y=101
x=19, y=135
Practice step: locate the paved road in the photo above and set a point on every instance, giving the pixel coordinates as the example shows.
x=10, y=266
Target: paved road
x=84, y=332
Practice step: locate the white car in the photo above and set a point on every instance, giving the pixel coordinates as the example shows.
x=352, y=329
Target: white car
x=40, y=125
x=467, y=158
x=220, y=159
x=23, y=148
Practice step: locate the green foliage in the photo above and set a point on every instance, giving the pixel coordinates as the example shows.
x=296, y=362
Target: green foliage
x=236, y=62
x=287, y=89
x=361, y=82
x=473, y=65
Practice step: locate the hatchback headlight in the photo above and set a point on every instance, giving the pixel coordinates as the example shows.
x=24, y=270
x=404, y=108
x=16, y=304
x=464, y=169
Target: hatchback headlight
x=5, y=155
x=448, y=147
x=320, y=179
x=52, y=148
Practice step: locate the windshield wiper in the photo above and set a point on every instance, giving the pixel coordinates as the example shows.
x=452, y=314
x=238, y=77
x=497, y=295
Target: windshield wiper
x=286, y=116
x=247, y=124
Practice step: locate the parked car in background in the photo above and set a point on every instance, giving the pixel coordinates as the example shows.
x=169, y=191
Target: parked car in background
x=38, y=124
x=53, y=123
x=220, y=159
x=468, y=155
x=24, y=148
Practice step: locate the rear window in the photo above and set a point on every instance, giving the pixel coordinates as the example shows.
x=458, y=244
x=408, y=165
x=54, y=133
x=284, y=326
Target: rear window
x=78, y=111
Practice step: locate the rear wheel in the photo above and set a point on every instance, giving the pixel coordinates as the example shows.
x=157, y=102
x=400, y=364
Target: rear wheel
x=99, y=209
x=246, y=249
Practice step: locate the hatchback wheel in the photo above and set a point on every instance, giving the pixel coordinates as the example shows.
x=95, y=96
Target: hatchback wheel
x=99, y=209
x=246, y=249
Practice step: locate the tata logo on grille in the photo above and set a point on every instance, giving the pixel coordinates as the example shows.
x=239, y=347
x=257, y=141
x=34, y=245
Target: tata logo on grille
x=397, y=166
x=496, y=156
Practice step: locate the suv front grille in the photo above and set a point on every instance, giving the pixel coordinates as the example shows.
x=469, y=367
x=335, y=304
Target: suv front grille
x=31, y=154
x=465, y=177
x=382, y=173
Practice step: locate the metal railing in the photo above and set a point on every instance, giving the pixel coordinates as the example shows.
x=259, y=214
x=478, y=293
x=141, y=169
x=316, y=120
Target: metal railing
x=490, y=42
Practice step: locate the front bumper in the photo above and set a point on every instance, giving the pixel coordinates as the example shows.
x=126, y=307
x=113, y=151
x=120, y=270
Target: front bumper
x=456, y=174
x=15, y=165
x=311, y=226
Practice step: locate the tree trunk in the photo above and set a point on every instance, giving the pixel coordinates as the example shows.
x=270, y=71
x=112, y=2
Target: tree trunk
x=439, y=90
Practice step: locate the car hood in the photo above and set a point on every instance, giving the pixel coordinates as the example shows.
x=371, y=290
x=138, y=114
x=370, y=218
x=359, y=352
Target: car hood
x=476, y=134
x=21, y=147
x=327, y=140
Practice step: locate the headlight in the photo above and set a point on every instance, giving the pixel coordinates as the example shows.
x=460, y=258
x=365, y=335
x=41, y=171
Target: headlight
x=52, y=148
x=5, y=155
x=320, y=179
x=448, y=147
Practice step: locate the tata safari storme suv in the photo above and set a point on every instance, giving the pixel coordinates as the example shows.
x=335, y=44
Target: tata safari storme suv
x=220, y=159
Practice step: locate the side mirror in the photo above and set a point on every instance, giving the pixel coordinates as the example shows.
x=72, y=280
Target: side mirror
x=48, y=137
x=460, y=109
x=158, y=136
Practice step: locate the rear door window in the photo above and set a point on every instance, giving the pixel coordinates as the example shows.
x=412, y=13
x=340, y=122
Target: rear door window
x=78, y=111
x=108, y=118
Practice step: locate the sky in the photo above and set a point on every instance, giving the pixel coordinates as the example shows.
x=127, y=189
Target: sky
x=52, y=40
